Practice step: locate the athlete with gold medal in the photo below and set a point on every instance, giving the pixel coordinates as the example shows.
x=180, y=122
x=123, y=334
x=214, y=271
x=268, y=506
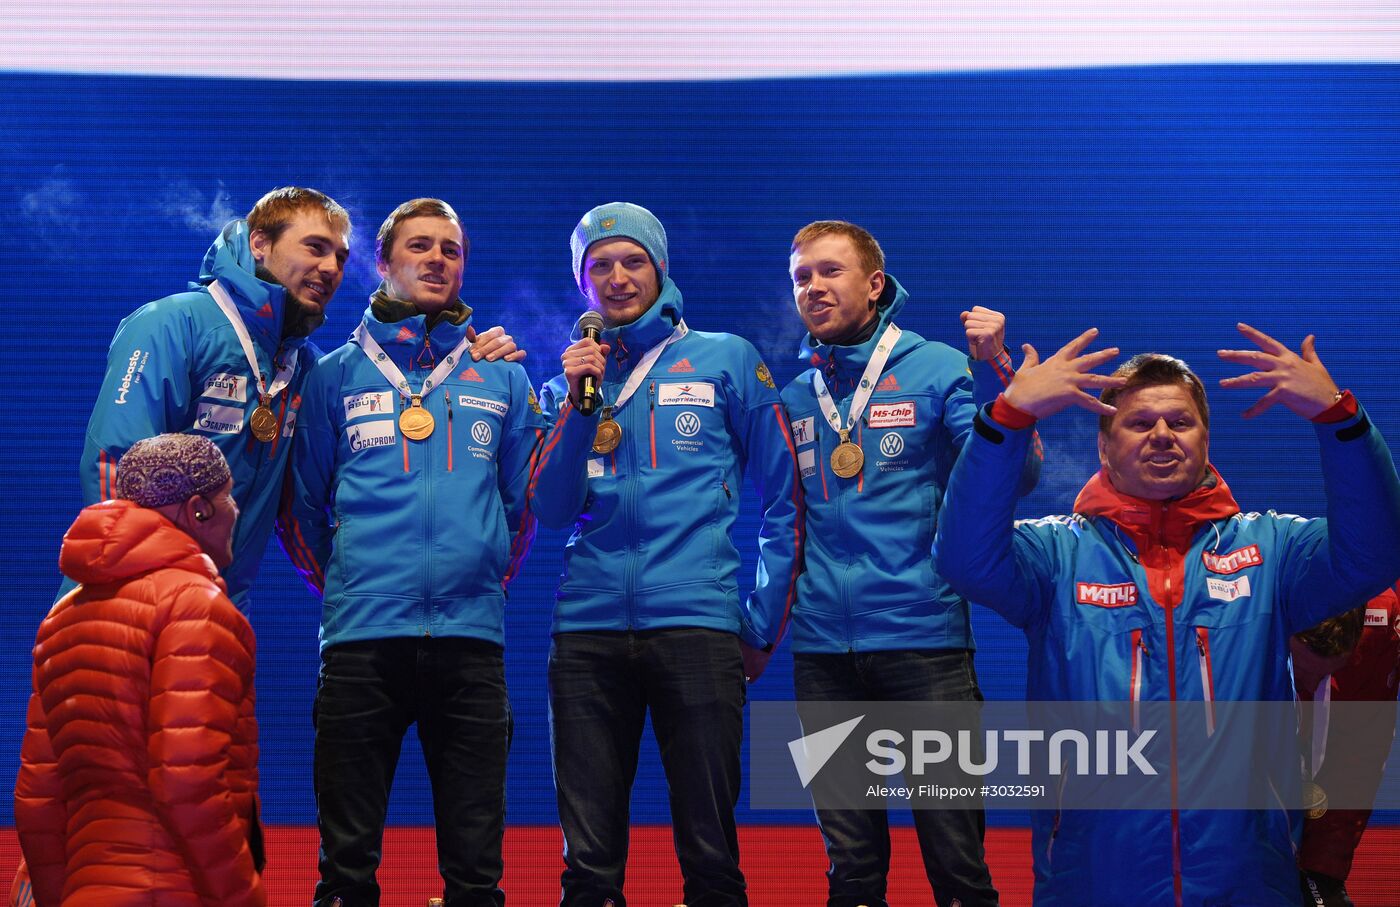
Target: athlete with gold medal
x=439, y=509
x=649, y=617
x=872, y=621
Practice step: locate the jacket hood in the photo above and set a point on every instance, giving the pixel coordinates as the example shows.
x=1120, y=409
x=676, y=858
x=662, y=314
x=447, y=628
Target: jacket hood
x=1211, y=500
x=117, y=540
x=630, y=342
x=230, y=261
x=848, y=360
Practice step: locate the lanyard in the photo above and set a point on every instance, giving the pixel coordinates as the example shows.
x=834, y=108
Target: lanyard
x=873, y=368
x=284, y=371
x=391, y=371
x=639, y=374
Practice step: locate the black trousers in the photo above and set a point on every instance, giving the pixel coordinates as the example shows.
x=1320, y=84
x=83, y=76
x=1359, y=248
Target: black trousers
x=367, y=696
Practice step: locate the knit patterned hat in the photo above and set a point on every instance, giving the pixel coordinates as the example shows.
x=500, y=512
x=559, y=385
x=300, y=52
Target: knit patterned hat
x=620, y=220
x=169, y=469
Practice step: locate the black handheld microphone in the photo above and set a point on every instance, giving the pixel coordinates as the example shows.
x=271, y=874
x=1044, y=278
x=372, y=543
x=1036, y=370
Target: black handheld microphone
x=590, y=326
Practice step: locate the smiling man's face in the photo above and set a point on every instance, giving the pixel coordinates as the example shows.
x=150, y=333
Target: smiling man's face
x=622, y=283
x=307, y=259
x=835, y=294
x=1156, y=446
x=426, y=262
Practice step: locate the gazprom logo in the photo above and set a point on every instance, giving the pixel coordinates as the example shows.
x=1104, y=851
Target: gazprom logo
x=377, y=433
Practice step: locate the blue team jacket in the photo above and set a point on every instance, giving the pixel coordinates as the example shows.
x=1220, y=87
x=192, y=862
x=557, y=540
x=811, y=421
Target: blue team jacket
x=175, y=365
x=651, y=546
x=870, y=583
x=1184, y=600
x=405, y=537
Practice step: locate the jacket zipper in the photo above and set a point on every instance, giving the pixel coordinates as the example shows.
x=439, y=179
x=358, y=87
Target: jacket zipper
x=1169, y=607
x=845, y=587
x=651, y=420
x=1207, y=677
x=629, y=496
x=425, y=476
x=1135, y=677
x=1055, y=825
x=447, y=398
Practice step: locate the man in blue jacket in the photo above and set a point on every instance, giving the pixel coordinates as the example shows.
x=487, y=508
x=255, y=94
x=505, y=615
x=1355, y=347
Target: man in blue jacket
x=408, y=512
x=878, y=420
x=1165, y=591
x=227, y=359
x=648, y=614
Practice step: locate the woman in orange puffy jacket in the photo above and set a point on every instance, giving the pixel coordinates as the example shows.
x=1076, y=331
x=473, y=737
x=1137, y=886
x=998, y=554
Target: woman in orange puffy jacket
x=138, y=776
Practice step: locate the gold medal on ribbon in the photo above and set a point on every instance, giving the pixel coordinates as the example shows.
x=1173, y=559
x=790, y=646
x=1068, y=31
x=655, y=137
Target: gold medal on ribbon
x=417, y=423
x=263, y=421
x=847, y=458
x=609, y=434
x=1314, y=800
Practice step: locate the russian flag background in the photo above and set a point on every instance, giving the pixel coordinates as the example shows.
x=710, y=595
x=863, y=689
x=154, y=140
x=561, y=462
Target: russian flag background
x=1160, y=175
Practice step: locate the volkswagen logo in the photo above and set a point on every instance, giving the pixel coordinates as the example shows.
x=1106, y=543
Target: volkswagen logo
x=892, y=445
x=481, y=433
x=688, y=424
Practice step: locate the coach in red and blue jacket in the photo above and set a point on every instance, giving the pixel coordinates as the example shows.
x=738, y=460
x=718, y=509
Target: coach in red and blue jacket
x=1159, y=588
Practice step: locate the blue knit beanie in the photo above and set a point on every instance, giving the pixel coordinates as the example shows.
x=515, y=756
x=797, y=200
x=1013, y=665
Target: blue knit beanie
x=620, y=220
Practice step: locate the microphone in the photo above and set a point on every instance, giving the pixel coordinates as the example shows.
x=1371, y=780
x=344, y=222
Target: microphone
x=590, y=326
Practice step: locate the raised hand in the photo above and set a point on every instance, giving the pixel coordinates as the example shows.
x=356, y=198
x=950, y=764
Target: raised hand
x=494, y=344
x=1044, y=388
x=986, y=332
x=1299, y=382
x=584, y=357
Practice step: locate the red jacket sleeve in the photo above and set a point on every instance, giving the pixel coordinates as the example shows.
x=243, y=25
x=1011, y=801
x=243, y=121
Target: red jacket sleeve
x=41, y=816
x=202, y=667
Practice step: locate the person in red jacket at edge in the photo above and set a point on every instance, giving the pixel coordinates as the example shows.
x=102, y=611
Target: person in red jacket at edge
x=138, y=772
x=1354, y=657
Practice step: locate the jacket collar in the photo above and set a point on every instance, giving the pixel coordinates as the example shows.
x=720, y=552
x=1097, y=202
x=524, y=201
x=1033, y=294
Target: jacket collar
x=410, y=342
x=230, y=261
x=1172, y=522
x=846, y=363
x=630, y=342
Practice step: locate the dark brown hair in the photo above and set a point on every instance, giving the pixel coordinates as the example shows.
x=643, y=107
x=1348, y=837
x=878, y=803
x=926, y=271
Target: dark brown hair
x=1151, y=370
x=416, y=207
x=1335, y=635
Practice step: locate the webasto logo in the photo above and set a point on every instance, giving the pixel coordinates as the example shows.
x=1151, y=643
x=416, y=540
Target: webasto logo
x=126, y=379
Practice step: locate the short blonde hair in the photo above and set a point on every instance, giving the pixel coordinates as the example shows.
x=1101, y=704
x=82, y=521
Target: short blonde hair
x=274, y=212
x=872, y=257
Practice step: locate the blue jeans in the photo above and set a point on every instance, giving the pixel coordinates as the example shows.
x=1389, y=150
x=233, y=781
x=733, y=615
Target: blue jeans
x=858, y=841
x=601, y=685
x=367, y=695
